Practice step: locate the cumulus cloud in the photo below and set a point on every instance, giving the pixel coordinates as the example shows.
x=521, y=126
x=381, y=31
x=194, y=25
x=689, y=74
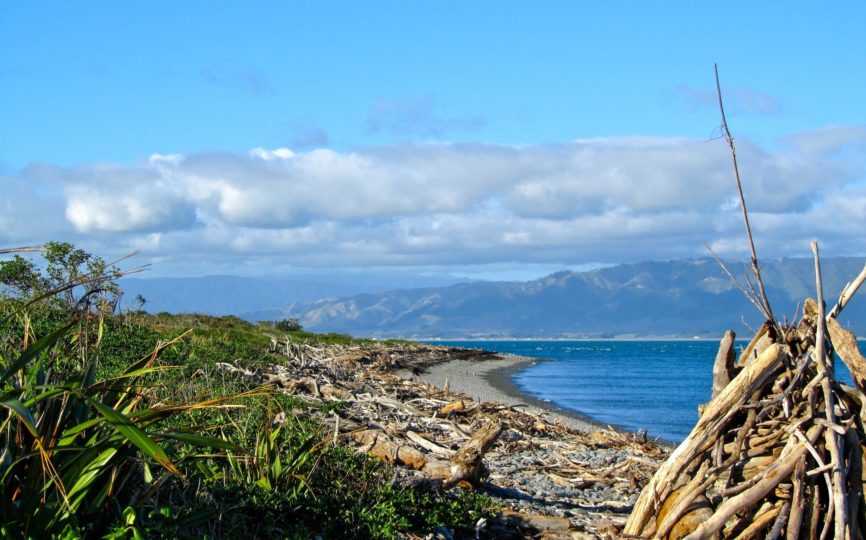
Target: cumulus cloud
x=585, y=201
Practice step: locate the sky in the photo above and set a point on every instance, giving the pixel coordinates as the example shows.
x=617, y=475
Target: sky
x=501, y=140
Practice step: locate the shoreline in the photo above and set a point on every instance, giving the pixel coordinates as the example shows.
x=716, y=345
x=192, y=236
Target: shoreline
x=490, y=380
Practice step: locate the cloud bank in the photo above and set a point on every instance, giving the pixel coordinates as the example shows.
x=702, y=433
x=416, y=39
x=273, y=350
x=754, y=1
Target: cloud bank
x=438, y=204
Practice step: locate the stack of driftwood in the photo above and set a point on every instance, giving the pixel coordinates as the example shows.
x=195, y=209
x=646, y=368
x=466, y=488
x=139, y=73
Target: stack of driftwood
x=436, y=435
x=779, y=450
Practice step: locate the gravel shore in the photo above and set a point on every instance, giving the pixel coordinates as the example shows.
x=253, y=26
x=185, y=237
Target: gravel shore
x=566, y=475
x=490, y=380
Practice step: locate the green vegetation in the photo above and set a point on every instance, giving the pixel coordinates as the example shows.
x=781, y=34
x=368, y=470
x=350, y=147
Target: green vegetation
x=118, y=426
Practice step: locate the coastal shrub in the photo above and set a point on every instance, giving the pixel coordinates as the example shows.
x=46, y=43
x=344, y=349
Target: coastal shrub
x=77, y=447
x=289, y=325
x=121, y=426
x=68, y=277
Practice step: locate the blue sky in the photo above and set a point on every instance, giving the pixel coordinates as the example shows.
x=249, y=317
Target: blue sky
x=542, y=129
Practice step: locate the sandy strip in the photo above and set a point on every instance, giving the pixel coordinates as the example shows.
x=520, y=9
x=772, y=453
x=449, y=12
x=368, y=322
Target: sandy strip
x=490, y=380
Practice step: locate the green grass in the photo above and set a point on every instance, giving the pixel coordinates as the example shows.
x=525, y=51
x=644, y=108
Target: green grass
x=135, y=469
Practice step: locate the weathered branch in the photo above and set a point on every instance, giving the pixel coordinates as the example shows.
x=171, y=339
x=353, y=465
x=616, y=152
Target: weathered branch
x=834, y=441
x=767, y=311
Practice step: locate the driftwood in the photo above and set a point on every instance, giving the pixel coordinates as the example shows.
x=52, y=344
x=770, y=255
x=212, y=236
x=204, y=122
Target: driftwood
x=779, y=450
x=389, y=413
x=723, y=367
x=463, y=469
x=466, y=467
x=845, y=345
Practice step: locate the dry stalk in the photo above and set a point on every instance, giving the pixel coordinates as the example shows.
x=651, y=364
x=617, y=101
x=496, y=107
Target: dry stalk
x=766, y=310
x=834, y=441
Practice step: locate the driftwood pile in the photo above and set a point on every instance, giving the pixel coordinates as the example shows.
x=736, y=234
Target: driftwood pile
x=440, y=436
x=779, y=450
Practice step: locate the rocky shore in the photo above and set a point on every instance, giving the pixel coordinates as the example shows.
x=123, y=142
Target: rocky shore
x=552, y=474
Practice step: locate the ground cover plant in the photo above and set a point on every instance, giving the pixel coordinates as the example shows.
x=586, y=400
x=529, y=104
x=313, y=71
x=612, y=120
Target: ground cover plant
x=119, y=426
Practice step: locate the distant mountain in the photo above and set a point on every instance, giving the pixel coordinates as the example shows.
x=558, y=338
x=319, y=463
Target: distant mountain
x=682, y=298
x=233, y=295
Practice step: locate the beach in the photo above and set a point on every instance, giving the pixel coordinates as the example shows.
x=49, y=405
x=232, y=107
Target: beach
x=490, y=380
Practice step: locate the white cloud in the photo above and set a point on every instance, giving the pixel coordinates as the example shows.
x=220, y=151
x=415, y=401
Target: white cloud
x=597, y=200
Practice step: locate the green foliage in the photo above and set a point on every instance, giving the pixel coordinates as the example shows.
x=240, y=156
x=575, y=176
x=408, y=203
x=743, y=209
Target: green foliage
x=289, y=325
x=74, y=444
x=70, y=278
x=379, y=509
x=103, y=439
x=21, y=277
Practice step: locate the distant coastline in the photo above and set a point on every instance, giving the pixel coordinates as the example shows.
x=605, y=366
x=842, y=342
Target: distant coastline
x=492, y=380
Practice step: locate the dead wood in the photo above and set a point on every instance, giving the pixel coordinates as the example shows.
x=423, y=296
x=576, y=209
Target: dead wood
x=779, y=448
x=466, y=462
x=778, y=451
x=845, y=345
x=717, y=414
x=723, y=367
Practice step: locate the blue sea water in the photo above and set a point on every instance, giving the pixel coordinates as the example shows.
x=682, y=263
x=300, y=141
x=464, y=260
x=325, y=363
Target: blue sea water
x=651, y=385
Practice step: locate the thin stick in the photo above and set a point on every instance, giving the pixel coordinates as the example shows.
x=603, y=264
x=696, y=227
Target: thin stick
x=834, y=442
x=754, y=300
x=730, y=140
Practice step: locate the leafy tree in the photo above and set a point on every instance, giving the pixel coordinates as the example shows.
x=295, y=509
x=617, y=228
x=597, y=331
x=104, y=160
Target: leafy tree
x=21, y=277
x=76, y=279
x=289, y=325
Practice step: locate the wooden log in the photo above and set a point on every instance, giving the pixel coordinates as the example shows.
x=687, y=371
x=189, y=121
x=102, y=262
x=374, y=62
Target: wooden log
x=781, y=521
x=845, y=345
x=698, y=510
x=777, y=472
x=708, y=428
x=815, y=515
x=430, y=446
x=466, y=462
x=723, y=368
x=795, y=519
x=835, y=443
x=854, y=482
x=760, y=522
x=378, y=445
x=764, y=337
x=455, y=407
x=685, y=508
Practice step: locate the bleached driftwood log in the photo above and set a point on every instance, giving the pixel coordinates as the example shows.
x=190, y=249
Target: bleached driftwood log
x=723, y=368
x=463, y=469
x=466, y=466
x=778, y=452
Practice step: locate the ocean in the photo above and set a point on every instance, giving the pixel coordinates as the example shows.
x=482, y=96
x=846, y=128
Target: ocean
x=650, y=385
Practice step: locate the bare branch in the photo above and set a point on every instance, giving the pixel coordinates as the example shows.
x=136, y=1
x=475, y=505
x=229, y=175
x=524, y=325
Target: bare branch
x=755, y=268
x=824, y=363
x=750, y=297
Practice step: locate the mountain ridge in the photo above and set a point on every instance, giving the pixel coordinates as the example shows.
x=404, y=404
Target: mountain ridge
x=672, y=299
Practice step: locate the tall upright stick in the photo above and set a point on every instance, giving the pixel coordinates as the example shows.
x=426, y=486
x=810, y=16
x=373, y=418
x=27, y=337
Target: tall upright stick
x=768, y=312
x=824, y=364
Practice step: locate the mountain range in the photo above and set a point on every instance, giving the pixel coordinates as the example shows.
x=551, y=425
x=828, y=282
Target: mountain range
x=672, y=299
x=668, y=299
